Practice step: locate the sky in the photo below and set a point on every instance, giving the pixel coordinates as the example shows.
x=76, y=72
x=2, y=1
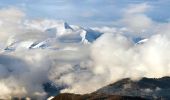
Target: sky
x=86, y=12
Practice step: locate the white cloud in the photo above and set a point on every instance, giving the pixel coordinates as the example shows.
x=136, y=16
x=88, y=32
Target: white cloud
x=111, y=57
x=138, y=8
x=135, y=18
x=10, y=19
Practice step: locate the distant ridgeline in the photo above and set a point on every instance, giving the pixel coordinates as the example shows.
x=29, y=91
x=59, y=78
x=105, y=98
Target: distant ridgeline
x=127, y=89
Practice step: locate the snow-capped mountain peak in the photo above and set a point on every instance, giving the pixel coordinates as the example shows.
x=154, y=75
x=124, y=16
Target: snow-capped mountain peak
x=42, y=34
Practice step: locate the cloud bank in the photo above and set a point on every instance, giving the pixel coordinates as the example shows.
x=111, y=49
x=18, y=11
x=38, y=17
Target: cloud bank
x=34, y=52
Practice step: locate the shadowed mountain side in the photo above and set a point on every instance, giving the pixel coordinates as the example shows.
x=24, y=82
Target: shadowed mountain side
x=152, y=88
x=127, y=89
x=67, y=96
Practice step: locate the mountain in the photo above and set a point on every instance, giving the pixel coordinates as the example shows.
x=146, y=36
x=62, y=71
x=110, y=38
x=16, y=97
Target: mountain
x=150, y=88
x=48, y=34
x=127, y=89
x=139, y=40
x=67, y=96
x=142, y=41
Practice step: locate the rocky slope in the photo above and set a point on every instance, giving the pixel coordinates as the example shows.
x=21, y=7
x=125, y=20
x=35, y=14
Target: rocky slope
x=127, y=89
x=150, y=88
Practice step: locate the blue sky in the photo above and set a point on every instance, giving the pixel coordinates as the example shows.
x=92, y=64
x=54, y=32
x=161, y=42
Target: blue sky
x=86, y=12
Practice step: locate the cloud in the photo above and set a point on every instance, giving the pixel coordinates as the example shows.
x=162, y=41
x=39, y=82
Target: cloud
x=111, y=57
x=18, y=78
x=114, y=55
x=10, y=19
x=138, y=8
x=135, y=19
